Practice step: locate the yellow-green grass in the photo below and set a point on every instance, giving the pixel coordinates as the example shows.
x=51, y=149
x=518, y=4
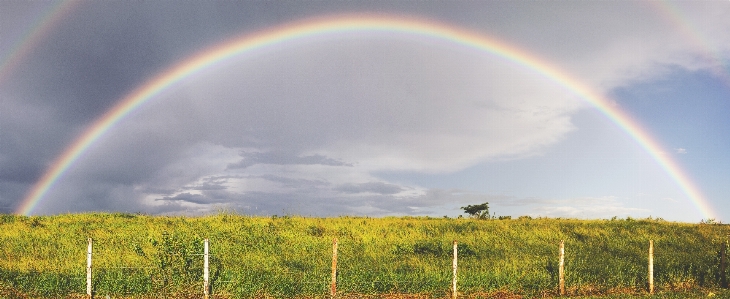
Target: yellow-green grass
x=138, y=255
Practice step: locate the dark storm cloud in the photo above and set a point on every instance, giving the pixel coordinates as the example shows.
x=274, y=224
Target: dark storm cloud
x=15, y=172
x=23, y=127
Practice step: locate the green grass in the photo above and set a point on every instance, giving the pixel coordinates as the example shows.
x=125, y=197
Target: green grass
x=137, y=255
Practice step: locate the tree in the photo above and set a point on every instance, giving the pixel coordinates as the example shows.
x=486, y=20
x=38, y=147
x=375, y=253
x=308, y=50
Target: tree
x=480, y=211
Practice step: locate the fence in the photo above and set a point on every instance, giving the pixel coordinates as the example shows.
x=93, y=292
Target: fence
x=284, y=257
x=206, y=283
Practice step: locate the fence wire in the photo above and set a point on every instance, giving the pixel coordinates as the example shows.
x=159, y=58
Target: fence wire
x=168, y=273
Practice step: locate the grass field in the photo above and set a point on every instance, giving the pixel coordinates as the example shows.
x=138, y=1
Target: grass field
x=138, y=256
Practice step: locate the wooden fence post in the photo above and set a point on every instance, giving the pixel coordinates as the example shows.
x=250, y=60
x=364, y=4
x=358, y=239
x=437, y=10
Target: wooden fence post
x=651, y=266
x=723, y=265
x=561, y=270
x=454, y=293
x=333, y=285
x=88, y=271
x=206, y=283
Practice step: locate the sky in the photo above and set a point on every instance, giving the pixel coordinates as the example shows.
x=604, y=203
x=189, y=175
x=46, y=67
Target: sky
x=368, y=122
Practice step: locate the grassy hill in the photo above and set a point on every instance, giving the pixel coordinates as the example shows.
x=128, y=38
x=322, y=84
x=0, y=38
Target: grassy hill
x=142, y=256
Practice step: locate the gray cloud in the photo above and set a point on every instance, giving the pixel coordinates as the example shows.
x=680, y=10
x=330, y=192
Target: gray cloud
x=188, y=197
x=208, y=186
x=280, y=158
x=307, y=125
x=431, y=202
x=370, y=187
x=296, y=183
x=211, y=183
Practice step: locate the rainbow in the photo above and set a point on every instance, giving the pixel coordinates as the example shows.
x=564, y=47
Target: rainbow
x=674, y=16
x=344, y=25
x=34, y=35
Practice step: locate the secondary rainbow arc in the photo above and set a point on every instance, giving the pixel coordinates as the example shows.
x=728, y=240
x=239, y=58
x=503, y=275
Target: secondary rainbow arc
x=346, y=24
x=684, y=26
x=33, y=36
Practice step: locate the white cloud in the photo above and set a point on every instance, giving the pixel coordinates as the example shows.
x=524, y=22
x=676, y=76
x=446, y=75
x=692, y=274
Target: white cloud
x=607, y=45
x=669, y=199
x=388, y=105
x=680, y=150
x=586, y=208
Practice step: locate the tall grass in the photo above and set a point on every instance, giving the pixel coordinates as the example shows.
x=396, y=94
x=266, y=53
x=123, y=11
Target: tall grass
x=137, y=255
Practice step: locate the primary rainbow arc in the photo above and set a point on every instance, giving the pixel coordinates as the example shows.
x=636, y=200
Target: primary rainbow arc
x=348, y=24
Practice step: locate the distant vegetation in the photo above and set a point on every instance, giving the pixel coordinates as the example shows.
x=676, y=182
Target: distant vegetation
x=480, y=211
x=146, y=256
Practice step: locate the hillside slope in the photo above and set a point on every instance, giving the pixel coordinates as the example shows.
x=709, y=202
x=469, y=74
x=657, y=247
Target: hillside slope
x=137, y=255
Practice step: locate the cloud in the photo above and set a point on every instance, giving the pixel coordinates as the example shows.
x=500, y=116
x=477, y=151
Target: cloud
x=425, y=202
x=586, y=208
x=680, y=150
x=293, y=182
x=188, y=197
x=615, y=46
x=370, y=187
x=434, y=202
x=386, y=108
x=309, y=125
x=270, y=127
x=280, y=158
x=669, y=199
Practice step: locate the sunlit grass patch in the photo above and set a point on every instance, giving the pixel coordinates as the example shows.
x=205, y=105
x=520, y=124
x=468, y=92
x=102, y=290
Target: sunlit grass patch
x=290, y=256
